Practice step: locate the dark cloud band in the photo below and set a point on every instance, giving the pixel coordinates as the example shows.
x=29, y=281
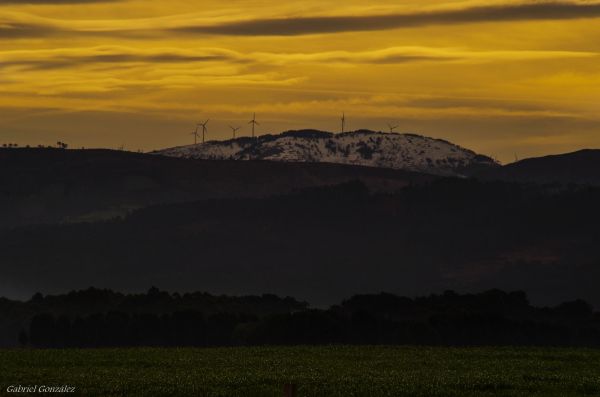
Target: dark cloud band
x=114, y=58
x=319, y=25
x=315, y=25
x=24, y=30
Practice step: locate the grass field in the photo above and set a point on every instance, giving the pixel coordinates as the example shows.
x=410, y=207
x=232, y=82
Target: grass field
x=318, y=371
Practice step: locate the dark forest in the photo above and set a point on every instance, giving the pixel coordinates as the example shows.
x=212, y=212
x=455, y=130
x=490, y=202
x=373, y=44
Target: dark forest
x=103, y=318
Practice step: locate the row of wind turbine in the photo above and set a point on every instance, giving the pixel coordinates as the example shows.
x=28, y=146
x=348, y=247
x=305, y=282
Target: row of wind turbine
x=195, y=132
x=234, y=130
x=254, y=123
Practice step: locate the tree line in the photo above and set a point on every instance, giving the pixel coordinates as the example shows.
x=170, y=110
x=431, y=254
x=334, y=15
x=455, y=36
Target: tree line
x=449, y=319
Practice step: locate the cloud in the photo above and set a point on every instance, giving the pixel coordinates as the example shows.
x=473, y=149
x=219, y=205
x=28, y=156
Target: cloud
x=18, y=25
x=14, y=30
x=334, y=24
x=44, y=60
x=74, y=57
x=410, y=54
x=107, y=69
x=25, y=26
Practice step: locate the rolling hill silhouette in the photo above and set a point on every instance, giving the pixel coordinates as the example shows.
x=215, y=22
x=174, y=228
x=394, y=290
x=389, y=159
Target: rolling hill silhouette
x=318, y=232
x=58, y=186
x=579, y=167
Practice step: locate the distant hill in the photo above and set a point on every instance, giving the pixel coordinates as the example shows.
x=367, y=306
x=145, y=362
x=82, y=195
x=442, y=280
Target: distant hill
x=581, y=167
x=57, y=186
x=322, y=244
x=368, y=148
x=317, y=231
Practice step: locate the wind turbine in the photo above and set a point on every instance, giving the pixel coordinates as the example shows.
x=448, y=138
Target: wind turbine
x=195, y=134
x=253, y=122
x=234, y=130
x=203, y=125
x=392, y=127
x=343, y=121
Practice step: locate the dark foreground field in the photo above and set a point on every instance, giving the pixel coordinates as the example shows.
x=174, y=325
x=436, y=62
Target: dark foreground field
x=318, y=371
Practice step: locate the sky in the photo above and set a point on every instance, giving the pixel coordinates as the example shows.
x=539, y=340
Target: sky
x=510, y=79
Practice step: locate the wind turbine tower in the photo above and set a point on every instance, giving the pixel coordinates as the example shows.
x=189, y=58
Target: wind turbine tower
x=204, y=129
x=392, y=127
x=343, y=121
x=195, y=134
x=234, y=130
x=253, y=122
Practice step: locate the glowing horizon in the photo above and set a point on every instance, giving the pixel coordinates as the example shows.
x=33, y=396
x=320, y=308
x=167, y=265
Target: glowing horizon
x=499, y=77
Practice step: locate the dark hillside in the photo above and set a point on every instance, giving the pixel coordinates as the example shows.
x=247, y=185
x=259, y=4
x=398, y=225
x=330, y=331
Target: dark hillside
x=322, y=244
x=582, y=167
x=52, y=185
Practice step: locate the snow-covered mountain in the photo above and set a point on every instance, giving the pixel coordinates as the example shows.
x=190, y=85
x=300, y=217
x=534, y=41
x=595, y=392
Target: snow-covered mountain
x=368, y=148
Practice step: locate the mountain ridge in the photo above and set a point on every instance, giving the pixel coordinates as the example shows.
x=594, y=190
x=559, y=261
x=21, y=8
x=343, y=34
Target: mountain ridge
x=579, y=167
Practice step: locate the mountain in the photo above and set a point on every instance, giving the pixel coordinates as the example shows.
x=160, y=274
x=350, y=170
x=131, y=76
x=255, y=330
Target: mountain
x=581, y=167
x=63, y=186
x=367, y=148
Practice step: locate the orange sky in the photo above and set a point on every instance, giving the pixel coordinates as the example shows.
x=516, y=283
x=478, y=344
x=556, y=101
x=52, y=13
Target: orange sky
x=504, y=78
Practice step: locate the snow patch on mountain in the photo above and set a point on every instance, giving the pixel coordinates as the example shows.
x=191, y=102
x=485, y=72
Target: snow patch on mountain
x=367, y=148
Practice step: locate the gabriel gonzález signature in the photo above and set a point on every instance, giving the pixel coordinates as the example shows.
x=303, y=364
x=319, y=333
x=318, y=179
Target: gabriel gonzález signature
x=40, y=389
